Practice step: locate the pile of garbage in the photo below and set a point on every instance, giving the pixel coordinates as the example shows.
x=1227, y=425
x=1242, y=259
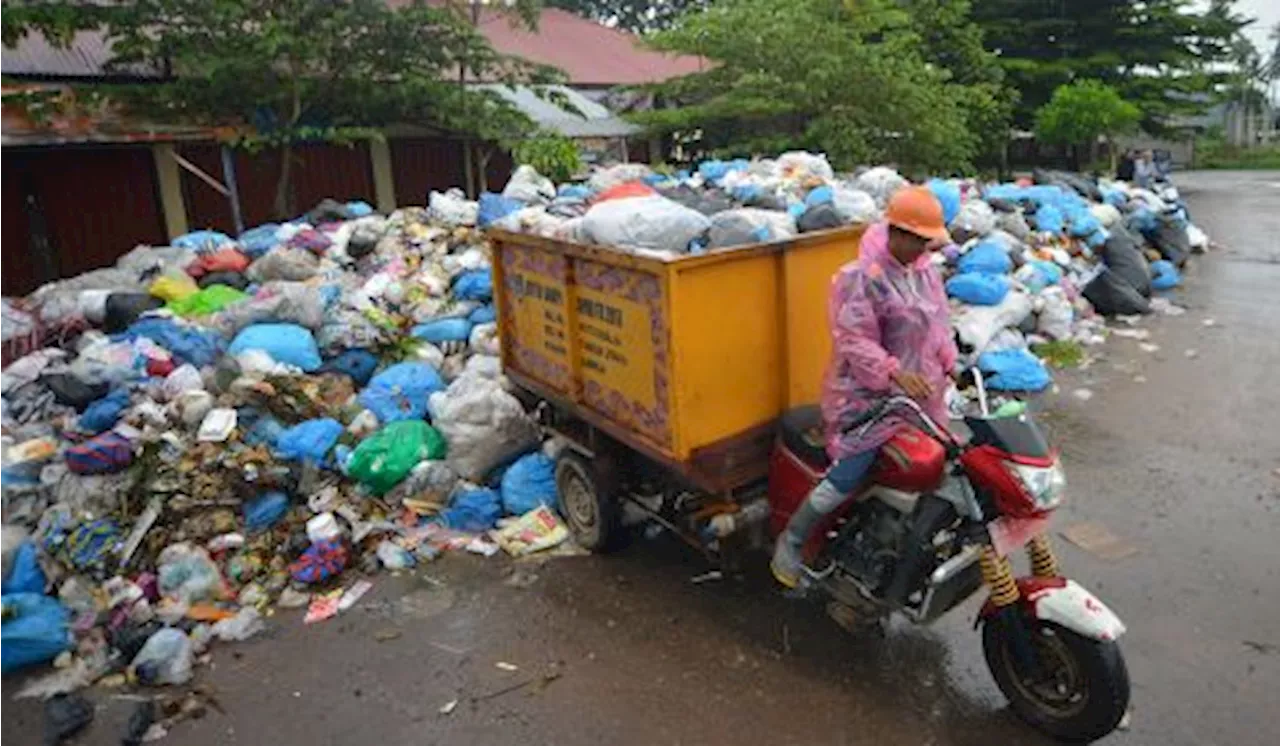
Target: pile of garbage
x=720, y=205
x=211, y=428
x=1033, y=267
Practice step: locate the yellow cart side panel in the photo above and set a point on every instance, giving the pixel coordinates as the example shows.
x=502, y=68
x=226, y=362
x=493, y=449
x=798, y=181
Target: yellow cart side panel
x=534, y=314
x=726, y=334
x=806, y=278
x=622, y=346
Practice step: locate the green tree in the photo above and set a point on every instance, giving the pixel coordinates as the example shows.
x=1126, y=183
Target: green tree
x=636, y=16
x=1163, y=55
x=849, y=79
x=1081, y=112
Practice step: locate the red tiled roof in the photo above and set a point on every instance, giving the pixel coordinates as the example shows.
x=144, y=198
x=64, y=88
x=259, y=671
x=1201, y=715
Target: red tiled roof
x=590, y=54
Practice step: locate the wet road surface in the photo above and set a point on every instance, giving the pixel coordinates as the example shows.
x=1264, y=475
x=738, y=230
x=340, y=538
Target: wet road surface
x=1177, y=453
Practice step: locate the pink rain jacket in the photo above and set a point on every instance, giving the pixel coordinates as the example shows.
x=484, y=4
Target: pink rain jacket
x=884, y=318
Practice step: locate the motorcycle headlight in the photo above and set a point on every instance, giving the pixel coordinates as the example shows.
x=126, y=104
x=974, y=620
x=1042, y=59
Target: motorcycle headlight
x=1046, y=485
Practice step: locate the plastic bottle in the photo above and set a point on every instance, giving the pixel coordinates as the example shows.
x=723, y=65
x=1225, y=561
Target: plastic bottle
x=727, y=523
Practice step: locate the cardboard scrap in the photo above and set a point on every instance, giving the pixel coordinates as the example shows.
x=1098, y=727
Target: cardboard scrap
x=1098, y=540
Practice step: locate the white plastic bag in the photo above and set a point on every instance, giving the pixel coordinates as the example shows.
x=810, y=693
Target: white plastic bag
x=166, y=658
x=977, y=325
x=529, y=187
x=1056, y=315
x=880, y=182
x=483, y=424
x=854, y=205
x=643, y=223
x=452, y=207
x=245, y=624
x=975, y=218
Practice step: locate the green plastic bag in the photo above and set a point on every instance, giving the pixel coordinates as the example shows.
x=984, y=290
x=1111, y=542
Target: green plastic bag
x=208, y=301
x=386, y=457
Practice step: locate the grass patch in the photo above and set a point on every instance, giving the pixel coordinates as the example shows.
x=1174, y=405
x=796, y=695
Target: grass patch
x=1062, y=353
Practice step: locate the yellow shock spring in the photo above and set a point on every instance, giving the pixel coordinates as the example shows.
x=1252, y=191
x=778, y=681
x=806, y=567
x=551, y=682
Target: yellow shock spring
x=1043, y=562
x=997, y=573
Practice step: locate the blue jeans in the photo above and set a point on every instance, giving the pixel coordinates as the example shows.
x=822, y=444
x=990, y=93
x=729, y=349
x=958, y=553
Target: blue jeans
x=845, y=476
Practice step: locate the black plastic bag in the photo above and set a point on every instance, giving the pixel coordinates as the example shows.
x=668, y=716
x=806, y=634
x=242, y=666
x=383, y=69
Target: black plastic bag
x=71, y=391
x=1123, y=256
x=362, y=243
x=1111, y=295
x=820, y=217
x=1171, y=240
x=230, y=279
x=707, y=202
x=64, y=716
x=124, y=308
x=328, y=211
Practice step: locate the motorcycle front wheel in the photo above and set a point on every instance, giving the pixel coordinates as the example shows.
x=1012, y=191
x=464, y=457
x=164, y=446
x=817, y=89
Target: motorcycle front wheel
x=1078, y=688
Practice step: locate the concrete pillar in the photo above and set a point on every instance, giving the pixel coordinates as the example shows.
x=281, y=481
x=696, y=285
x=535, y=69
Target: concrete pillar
x=169, y=179
x=384, y=183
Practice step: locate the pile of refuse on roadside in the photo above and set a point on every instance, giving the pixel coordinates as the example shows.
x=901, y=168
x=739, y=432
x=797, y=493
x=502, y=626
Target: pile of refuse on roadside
x=1034, y=266
x=210, y=429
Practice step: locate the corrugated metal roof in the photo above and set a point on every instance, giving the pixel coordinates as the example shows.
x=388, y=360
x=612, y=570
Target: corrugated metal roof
x=590, y=54
x=34, y=56
x=591, y=119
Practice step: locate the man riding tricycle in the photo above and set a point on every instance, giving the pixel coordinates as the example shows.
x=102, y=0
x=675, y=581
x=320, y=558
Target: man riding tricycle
x=687, y=389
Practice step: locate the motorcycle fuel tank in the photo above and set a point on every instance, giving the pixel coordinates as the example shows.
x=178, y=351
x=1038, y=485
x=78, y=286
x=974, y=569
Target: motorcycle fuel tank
x=910, y=461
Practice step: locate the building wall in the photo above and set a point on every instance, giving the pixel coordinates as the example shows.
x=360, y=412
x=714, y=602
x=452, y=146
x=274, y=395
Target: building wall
x=88, y=205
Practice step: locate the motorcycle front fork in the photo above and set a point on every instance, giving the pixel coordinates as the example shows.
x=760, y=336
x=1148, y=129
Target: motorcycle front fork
x=997, y=574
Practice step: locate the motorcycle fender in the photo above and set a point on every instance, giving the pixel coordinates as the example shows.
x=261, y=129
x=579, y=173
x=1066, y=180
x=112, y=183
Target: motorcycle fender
x=1067, y=603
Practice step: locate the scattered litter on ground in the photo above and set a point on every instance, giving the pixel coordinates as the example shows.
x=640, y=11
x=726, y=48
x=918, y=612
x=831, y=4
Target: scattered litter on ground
x=1191, y=354
x=1083, y=394
x=1149, y=347
x=507, y=666
x=1098, y=540
x=448, y=707
x=707, y=577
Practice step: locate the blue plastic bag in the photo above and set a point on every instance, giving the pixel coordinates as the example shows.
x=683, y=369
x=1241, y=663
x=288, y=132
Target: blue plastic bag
x=1115, y=197
x=264, y=430
x=1049, y=219
x=443, y=330
x=285, y=343
x=473, y=511
x=978, y=288
x=948, y=195
x=358, y=364
x=528, y=483
x=257, y=241
x=476, y=284
x=34, y=630
x=1013, y=370
x=819, y=196
x=987, y=256
x=262, y=512
x=1143, y=221
x=201, y=240
x=401, y=392
x=189, y=344
x=494, y=207
x=715, y=170
x=1164, y=275
x=309, y=441
x=574, y=191
x=359, y=208
x=25, y=575
x=103, y=413
x=483, y=315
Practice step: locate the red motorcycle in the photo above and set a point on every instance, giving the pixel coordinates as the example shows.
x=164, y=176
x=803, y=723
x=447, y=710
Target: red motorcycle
x=937, y=523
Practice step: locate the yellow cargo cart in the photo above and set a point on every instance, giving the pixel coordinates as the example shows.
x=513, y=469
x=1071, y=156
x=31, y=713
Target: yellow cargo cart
x=667, y=377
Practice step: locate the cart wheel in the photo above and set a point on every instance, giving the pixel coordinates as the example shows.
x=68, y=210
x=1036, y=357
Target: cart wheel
x=588, y=505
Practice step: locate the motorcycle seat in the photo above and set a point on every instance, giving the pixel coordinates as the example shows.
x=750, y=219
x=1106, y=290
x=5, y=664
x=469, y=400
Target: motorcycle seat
x=802, y=434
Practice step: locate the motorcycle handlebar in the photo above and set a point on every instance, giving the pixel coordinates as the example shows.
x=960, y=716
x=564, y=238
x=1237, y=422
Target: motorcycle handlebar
x=882, y=408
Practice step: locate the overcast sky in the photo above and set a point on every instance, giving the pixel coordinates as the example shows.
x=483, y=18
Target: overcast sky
x=1267, y=13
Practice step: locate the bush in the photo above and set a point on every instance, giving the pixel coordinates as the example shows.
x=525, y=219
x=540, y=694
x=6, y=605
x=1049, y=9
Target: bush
x=1216, y=153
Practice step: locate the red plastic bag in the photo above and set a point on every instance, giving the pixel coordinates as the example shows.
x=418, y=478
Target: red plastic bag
x=228, y=259
x=624, y=191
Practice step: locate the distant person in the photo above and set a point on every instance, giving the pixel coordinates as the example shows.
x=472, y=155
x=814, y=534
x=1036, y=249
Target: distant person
x=1124, y=172
x=1144, y=170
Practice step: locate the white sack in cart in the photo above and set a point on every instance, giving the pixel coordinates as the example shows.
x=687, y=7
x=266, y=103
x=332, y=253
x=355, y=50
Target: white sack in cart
x=452, y=207
x=483, y=424
x=529, y=187
x=646, y=223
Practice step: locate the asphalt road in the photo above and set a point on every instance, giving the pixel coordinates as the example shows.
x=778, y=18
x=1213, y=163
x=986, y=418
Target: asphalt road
x=1177, y=453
